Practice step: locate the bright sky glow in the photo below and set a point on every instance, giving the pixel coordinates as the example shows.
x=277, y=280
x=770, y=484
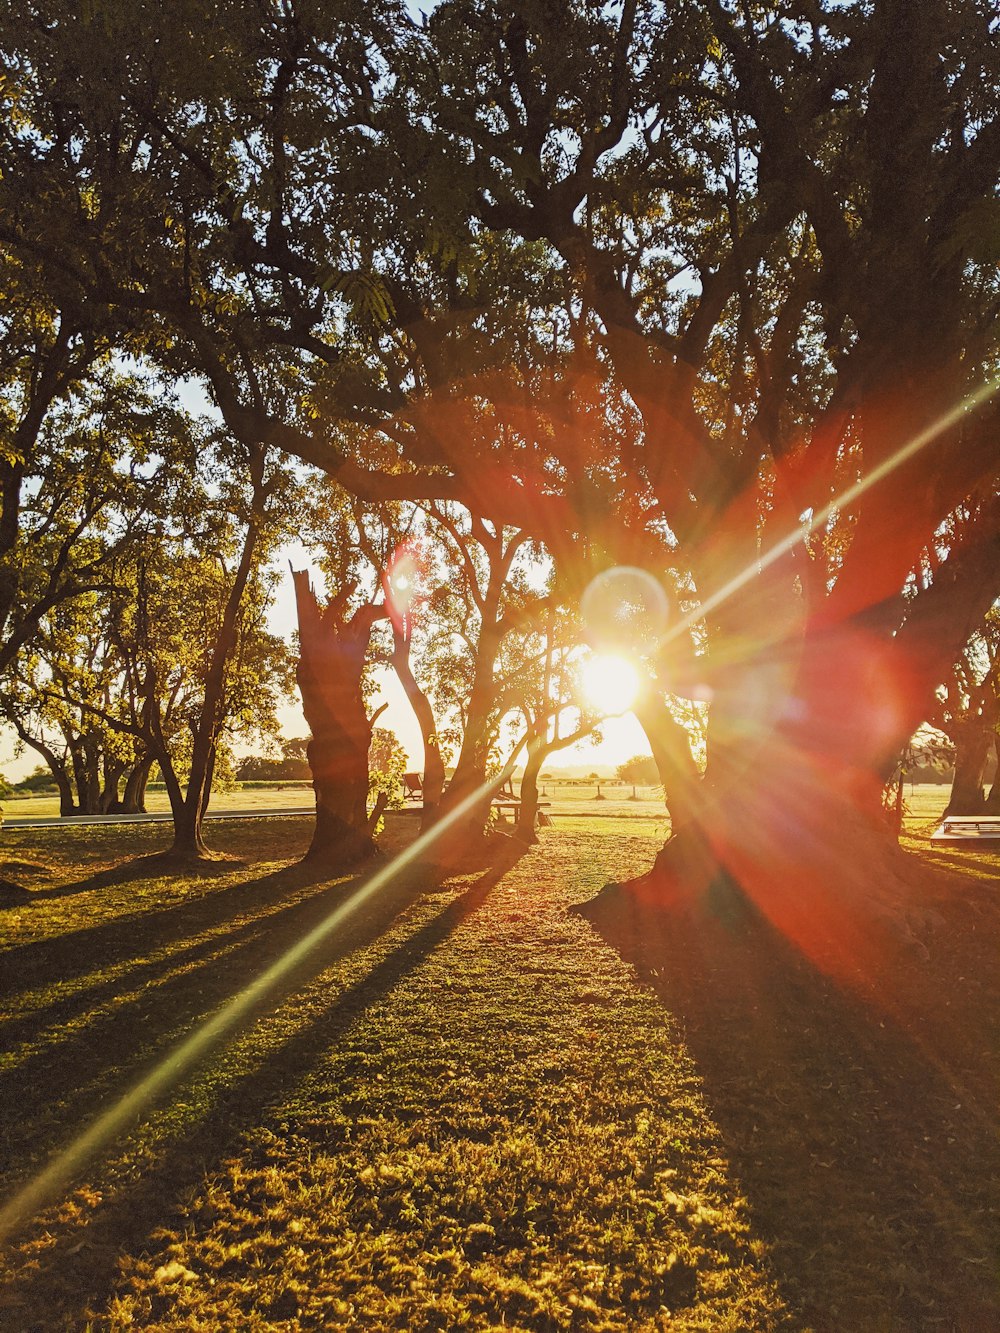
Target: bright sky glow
x=610, y=683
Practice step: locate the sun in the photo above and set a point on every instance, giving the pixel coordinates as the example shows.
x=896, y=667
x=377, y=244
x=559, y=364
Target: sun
x=610, y=683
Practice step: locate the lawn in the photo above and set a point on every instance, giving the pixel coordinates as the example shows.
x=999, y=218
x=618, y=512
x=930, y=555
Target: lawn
x=464, y=1108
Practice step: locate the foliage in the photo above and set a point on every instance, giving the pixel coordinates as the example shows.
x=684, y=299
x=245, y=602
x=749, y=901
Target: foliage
x=293, y=764
x=38, y=780
x=653, y=285
x=387, y=762
x=640, y=770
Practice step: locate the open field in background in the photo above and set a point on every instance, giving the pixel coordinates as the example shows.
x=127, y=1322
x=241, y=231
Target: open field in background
x=465, y=1109
x=565, y=797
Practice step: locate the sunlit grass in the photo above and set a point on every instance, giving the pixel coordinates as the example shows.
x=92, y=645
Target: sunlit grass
x=474, y=1118
x=470, y=1115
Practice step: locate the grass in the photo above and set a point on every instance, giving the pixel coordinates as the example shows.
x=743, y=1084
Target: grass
x=467, y=1110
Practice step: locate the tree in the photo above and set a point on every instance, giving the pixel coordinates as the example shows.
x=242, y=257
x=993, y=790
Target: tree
x=753, y=245
x=968, y=713
x=179, y=659
x=778, y=223
x=87, y=759
x=333, y=648
x=292, y=766
x=103, y=464
x=639, y=770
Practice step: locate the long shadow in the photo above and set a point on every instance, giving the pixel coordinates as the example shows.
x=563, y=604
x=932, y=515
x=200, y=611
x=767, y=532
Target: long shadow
x=77, y=952
x=72, y=1278
x=126, y=1021
x=870, y=1157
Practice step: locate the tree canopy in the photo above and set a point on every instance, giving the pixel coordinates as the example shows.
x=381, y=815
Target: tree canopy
x=705, y=289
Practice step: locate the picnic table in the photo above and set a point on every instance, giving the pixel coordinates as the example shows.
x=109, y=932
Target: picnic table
x=504, y=801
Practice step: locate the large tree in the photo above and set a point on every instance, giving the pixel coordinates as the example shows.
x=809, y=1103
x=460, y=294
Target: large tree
x=783, y=222
x=708, y=289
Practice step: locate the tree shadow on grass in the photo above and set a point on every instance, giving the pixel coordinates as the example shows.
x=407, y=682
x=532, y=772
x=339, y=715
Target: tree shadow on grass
x=863, y=1127
x=72, y=1277
x=144, y=980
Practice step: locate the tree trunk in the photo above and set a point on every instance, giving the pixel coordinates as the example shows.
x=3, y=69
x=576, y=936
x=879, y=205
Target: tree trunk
x=330, y=670
x=56, y=765
x=134, y=795
x=85, y=754
x=527, y=812
x=433, y=777
x=972, y=748
x=671, y=750
x=788, y=820
x=188, y=844
x=67, y=805
x=470, y=771
x=993, y=799
x=974, y=739
x=113, y=771
x=188, y=841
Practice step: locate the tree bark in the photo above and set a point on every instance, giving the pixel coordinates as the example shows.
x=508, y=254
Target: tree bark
x=993, y=799
x=974, y=738
x=527, y=811
x=671, y=750
x=85, y=753
x=331, y=665
x=788, y=819
x=470, y=771
x=113, y=769
x=972, y=748
x=433, y=777
x=134, y=796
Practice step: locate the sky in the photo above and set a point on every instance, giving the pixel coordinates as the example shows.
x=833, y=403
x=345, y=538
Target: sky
x=622, y=736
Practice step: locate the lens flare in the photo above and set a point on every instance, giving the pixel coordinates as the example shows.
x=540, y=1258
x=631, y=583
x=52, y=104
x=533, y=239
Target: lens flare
x=610, y=683
x=46, y=1185
x=402, y=581
x=624, y=610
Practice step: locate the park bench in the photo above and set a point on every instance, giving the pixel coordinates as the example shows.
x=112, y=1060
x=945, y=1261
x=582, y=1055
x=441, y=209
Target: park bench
x=967, y=830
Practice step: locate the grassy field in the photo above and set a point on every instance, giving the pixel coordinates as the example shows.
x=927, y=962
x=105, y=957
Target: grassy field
x=564, y=797
x=462, y=1108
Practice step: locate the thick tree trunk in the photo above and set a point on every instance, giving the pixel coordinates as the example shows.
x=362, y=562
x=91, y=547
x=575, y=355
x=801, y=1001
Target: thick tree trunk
x=134, y=796
x=788, y=820
x=86, y=758
x=331, y=665
x=113, y=772
x=993, y=799
x=974, y=739
x=527, y=813
x=671, y=750
x=971, y=753
x=468, y=782
x=188, y=843
x=67, y=805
